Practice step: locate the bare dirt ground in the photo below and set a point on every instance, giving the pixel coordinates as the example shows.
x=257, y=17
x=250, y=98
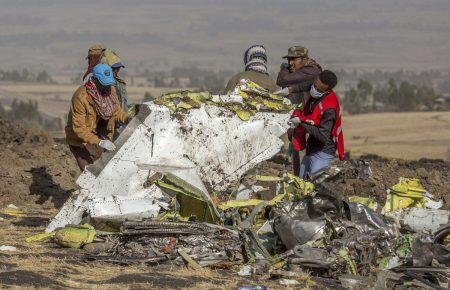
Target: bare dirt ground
x=37, y=174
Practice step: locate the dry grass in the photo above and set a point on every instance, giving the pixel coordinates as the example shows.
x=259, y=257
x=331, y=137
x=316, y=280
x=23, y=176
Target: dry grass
x=412, y=135
x=45, y=265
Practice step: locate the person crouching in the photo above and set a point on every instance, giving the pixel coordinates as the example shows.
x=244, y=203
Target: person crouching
x=321, y=120
x=93, y=112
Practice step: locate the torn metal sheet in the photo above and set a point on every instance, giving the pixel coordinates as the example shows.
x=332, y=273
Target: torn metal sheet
x=209, y=147
x=421, y=219
x=367, y=219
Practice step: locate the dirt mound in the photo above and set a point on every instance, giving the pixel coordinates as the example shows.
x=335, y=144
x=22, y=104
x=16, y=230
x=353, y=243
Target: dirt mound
x=12, y=134
x=33, y=168
x=433, y=173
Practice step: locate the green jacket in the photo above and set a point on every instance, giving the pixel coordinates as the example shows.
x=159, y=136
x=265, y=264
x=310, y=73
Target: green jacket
x=259, y=78
x=122, y=94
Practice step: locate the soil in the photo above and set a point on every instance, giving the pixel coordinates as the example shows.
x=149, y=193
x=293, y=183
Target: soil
x=434, y=175
x=34, y=170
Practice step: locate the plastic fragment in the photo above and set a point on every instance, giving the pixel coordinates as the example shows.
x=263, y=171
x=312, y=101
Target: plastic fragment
x=8, y=248
x=368, y=201
x=289, y=282
x=12, y=210
x=408, y=192
x=39, y=237
x=388, y=263
x=73, y=236
x=245, y=271
x=420, y=219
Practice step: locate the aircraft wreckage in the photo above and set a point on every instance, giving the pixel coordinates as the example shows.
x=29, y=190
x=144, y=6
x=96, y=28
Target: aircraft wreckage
x=206, y=141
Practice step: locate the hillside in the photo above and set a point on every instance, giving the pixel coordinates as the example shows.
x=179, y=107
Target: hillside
x=362, y=34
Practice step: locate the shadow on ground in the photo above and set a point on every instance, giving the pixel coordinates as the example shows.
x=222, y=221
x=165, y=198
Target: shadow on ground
x=44, y=186
x=27, y=278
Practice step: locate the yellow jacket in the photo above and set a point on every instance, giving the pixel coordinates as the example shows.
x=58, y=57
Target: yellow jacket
x=83, y=119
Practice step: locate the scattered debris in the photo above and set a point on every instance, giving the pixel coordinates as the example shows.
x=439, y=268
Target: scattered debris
x=8, y=248
x=408, y=193
x=289, y=282
x=421, y=219
x=178, y=190
x=13, y=211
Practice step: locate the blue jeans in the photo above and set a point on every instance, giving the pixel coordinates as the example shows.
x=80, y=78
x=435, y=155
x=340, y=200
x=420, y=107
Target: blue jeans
x=314, y=162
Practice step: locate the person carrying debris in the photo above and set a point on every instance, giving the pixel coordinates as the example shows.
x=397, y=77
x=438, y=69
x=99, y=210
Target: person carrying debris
x=255, y=61
x=95, y=54
x=321, y=119
x=113, y=60
x=296, y=77
x=93, y=112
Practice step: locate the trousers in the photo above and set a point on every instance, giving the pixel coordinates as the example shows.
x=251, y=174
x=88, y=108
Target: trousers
x=312, y=163
x=86, y=155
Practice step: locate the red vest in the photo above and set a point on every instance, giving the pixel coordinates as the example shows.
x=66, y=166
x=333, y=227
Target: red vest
x=329, y=102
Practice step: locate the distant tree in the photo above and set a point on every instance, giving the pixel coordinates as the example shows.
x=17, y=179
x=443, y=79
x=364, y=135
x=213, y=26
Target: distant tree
x=159, y=81
x=352, y=103
x=15, y=76
x=407, y=98
x=26, y=75
x=214, y=83
x=44, y=77
x=357, y=99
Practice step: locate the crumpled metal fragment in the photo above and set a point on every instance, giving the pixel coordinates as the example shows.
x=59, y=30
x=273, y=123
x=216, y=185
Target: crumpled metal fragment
x=367, y=219
x=310, y=257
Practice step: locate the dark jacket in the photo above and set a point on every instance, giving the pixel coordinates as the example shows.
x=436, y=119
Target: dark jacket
x=300, y=80
x=259, y=78
x=320, y=137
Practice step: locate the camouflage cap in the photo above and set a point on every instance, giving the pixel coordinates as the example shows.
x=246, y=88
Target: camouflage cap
x=297, y=51
x=96, y=49
x=111, y=58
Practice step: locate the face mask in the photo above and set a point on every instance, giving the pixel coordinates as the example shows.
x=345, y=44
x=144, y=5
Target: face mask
x=315, y=93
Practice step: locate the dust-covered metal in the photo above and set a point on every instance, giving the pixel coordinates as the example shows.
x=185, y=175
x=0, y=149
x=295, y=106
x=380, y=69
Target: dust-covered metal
x=208, y=147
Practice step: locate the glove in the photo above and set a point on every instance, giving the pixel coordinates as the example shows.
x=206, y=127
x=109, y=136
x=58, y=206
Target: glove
x=283, y=92
x=295, y=121
x=108, y=145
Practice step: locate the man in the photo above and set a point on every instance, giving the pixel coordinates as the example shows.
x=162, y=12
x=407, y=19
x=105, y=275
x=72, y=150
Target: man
x=113, y=60
x=321, y=119
x=93, y=113
x=95, y=54
x=296, y=77
x=255, y=61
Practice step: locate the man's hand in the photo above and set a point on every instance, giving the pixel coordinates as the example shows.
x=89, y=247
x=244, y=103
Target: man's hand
x=295, y=121
x=283, y=92
x=108, y=145
x=284, y=65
